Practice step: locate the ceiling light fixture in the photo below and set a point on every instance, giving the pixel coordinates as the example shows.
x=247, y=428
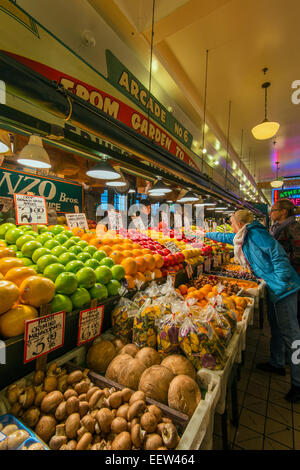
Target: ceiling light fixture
x=209, y=202
x=159, y=187
x=267, y=129
x=278, y=182
x=33, y=154
x=117, y=183
x=189, y=197
x=103, y=170
x=4, y=142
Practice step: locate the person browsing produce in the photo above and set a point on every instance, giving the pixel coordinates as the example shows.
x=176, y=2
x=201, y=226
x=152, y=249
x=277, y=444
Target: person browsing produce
x=256, y=249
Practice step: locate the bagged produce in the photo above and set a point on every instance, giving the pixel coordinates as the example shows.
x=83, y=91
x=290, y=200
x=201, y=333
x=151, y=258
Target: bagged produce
x=122, y=318
x=144, y=325
x=167, y=336
x=152, y=292
x=200, y=344
x=219, y=323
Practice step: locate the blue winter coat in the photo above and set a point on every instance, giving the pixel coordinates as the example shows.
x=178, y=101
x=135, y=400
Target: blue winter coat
x=267, y=259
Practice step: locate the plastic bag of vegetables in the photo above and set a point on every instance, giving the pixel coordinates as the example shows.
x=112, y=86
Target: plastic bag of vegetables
x=122, y=318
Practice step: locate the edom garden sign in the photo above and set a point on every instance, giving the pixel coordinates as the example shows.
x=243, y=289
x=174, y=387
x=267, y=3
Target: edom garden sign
x=62, y=195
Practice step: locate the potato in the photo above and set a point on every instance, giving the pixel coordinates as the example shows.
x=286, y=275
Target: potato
x=179, y=365
x=184, y=394
x=155, y=383
x=100, y=355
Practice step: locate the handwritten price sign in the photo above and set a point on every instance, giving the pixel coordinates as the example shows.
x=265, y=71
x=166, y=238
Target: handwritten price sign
x=90, y=324
x=43, y=335
x=77, y=220
x=30, y=209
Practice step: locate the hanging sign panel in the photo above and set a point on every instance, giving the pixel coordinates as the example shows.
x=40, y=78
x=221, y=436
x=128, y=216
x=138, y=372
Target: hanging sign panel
x=30, y=209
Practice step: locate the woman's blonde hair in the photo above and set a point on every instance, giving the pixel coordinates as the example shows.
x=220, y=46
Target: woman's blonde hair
x=243, y=216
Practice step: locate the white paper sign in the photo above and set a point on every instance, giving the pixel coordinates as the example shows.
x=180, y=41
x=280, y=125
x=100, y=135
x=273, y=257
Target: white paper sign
x=30, y=209
x=172, y=247
x=43, y=335
x=77, y=220
x=90, y=324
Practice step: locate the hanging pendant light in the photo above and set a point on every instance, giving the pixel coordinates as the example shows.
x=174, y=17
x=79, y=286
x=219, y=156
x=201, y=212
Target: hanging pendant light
x=267, y=129
x=117, y=183
x=5, y=145
x=209, y=202
x=103, y=170
x=159, y=187
x=189, y=197
x=278, y=182
x=33, y=154
x=221, y=206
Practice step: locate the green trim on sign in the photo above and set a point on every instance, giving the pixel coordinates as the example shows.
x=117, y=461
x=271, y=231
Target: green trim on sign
x=33, y=29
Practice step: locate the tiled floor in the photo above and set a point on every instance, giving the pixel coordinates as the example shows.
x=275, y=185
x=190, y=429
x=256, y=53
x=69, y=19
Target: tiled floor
x=267, y=421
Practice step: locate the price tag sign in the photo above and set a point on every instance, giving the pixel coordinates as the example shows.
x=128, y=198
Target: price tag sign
x=43, y=335
x=215, y=261
x=199, y=270
x=220, y=258
x=172, y=247
x=30, y=209
x=90, y=324
x=189, y=271
x=77, y=220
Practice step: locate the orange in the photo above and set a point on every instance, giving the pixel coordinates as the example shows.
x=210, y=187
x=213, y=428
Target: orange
x=192, y=295
x=9, y=294
x=136, y=252
x=108, y=249
x=87, y=236
x=17, y=275
x=7, y=263
x=146, y=251
x=6, y=252
x=183, y=289
x=136, y=246
x=129, y=265
x=141, y=264
x=148, y=275
x=36, y=291
x=78, y=232
x=150, y=262
x=157, y=273
x=95, y=242
x=108, y=241
x=130, y=281
x=191, y=289
x=116, y=256
x=159, y=260
x=118, y=247
x=127, y=246
x=127, y=254
x=207, y=287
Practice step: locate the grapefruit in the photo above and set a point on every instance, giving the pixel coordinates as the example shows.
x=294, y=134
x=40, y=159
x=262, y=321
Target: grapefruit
x=36, y=291
x=7, y=263
x=9, y=294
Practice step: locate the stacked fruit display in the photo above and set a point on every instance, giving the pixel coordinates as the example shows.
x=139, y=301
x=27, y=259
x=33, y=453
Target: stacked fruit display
x=237, y=271
x=22, y=292
x=79, y=271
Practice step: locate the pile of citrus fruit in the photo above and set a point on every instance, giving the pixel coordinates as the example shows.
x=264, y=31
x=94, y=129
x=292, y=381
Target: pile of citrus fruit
x=79, y=271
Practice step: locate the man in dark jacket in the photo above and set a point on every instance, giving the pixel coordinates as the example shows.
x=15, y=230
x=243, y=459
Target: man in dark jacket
x=286, y=230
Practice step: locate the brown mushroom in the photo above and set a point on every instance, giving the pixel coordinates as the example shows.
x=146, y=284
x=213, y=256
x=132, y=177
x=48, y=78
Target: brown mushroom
x=149, y=422
x=97, y=400
x=70, y=393
x=16, y=409
x=50, y=383
x=72, y=405
x=72, y=425
x=89, y=423
x=123, y=410
x=85, y=441
x=26, y=399
x=91, y=391
x=62, y=383
x=39, y=398
x=61, y=411
x=115, y=400
x=13, y=393
x=169, y=436
x=152, y=442
x=118, y=425
x=31, y=416
x=136, y=409
x=38, y=377
x=74, y=377
x=51, y=401
x=156, y=411
x=59, y=438
x=104, y=418
x=83, y=408
x=160, y=428
x=137, y=435
x=122, y=441
x=71, y=445
x=81, y=387
x=45, y=428
x=82, y=397
x=126, y=394
x=137, y=396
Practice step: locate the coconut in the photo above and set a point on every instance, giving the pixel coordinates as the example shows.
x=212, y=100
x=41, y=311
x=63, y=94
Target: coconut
x=184, y=394
x=100, y=355
x=115, y=366
x=179, y=365
x=148, y=356
x=155, y=383
x=130, y=373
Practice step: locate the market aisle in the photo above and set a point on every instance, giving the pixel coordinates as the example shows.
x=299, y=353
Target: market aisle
x=267, y=420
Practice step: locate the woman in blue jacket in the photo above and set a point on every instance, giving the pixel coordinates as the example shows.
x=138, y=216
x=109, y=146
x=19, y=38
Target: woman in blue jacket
x=256, y=249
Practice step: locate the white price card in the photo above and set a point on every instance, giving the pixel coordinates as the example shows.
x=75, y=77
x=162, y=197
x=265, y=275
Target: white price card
x=216, y=261
x=189, y=271
x=77, y=220
x=172, y=247
x=43, y=335
x=207, y=265
x=199, y=270
x=90, y=324
x=30, y=209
